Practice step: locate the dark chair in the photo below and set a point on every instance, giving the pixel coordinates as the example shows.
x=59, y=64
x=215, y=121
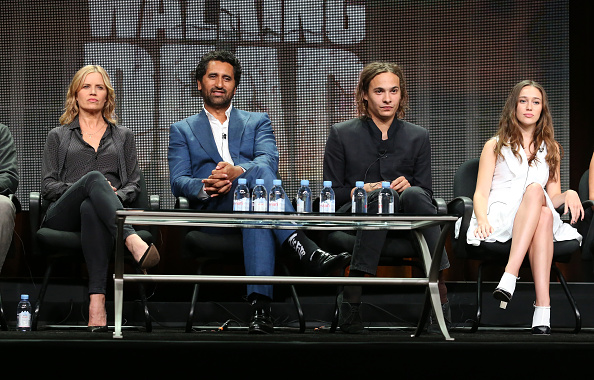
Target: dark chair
x=399, y=250
x=496, y=254
x=585, y=227
x=17, y=205
x=60, y=246
x=211, y=248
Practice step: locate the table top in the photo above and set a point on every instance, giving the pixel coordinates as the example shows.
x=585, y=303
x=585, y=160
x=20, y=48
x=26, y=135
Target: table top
x=283, y=220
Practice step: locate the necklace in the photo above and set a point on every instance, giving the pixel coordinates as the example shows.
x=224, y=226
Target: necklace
x=94, y=133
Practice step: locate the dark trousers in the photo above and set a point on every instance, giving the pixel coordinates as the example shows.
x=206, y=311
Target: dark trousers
x=90, y=206
x=369, y=243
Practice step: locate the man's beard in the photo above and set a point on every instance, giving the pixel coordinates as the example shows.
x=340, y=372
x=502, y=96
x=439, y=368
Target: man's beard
x=218, y=101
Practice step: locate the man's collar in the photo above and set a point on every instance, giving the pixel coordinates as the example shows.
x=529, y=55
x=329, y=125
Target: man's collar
x=211, y=116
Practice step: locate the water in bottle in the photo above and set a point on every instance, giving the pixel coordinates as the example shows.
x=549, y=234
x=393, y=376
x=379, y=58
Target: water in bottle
x=24, y=314
x=259, y=197
x=359, y=203
x=241, y=197
x=304, y=197
x=276, y=199
x=327, y=203
x=385, y=199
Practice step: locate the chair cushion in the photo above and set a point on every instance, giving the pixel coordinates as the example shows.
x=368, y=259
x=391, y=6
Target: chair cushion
x=58, y=239
x=563, y=251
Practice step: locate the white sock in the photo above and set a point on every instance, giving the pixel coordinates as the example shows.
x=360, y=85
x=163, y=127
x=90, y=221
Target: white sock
x=542, y=316
x=508, y=282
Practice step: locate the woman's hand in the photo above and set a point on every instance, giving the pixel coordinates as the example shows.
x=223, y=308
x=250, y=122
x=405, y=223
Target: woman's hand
x=483, y=230
x=574, y=205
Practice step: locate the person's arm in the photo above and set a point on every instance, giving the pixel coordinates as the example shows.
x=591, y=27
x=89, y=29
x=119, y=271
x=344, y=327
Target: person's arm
x=335, y=168
x=183, y=184
x=265, y=149
x=9, y=175
x=130, y=190
x=483, y=188
x=51, y=185
x=569, y=198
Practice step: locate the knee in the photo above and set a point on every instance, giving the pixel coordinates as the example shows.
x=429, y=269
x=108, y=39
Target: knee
x=416, y=199
x=259, y=172
x=7, y=209
x=534, y=190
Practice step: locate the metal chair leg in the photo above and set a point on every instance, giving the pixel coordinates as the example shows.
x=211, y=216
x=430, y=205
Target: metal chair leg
x=41, y=297
x=572, y=303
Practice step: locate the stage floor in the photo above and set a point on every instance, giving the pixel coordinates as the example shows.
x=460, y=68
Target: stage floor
x=487, y=353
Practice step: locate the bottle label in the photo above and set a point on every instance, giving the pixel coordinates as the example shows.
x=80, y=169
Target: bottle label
x=260, y=205
x=24, y=319
x=300, y=205
x=385, y=210
x=277, y=205
x=327, y=206
x=242, y=205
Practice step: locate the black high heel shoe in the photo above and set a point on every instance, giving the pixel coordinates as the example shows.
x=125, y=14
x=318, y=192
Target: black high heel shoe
x=149, y=259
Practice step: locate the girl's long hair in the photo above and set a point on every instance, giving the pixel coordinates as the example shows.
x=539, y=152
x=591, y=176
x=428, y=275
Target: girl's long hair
x=509, y=133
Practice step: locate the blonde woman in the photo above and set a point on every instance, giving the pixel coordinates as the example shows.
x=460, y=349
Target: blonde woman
x=90, y=170
x=518, y=189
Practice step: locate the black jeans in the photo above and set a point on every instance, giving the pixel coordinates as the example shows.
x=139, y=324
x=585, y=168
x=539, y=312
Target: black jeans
x=90, y=206
x=369, y=243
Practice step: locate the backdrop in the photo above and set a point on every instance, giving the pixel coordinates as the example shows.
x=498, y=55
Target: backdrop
x=301, y=61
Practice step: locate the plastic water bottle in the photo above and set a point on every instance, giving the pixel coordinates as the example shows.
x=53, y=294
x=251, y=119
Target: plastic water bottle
x=327, y=203
x=359, y=203
x=259, y=197
x=385, y=199
x=304, y=197
x=24, y=314
x=241, y=197
x=277, y=197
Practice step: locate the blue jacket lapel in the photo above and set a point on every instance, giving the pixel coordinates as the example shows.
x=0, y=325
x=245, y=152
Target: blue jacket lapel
x=237, y=122
x=200, y=127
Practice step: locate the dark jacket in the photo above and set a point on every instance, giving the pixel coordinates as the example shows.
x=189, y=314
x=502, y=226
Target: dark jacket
x=353, y=153
x=9, y=174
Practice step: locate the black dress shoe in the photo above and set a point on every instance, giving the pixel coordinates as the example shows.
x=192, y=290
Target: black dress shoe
x=349, y=317
x=541, y=330
x=433, y=327
x=321, y=263
x=261, y=323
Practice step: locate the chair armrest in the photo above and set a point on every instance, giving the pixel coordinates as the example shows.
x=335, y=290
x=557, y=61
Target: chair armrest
x=15, y=201
x=461, y=206
x=182, y=203
x=154, y=202
x=34, y=217
x=441, y=206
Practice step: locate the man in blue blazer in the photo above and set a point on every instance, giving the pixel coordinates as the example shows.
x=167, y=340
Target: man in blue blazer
x=209, y=151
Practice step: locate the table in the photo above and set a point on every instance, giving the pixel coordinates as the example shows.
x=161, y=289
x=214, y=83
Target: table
x=316, y=221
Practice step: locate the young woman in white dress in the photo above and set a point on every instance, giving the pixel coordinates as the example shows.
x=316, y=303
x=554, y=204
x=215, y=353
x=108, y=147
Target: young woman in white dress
x=517, y=191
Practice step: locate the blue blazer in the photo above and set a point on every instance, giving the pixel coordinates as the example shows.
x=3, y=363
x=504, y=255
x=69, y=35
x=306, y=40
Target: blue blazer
x=193, y=154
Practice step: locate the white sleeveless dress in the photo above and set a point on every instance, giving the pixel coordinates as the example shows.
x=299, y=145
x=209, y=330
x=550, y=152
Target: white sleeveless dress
x=510, y=180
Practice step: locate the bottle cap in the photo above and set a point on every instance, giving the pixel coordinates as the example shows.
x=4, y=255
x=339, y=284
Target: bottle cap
x=241, y=181
x=385, y=184
x=24, y=296
x=259, y=181
x=359, y=184
x=327, y=183
x=304, y=182
x=276, y=182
